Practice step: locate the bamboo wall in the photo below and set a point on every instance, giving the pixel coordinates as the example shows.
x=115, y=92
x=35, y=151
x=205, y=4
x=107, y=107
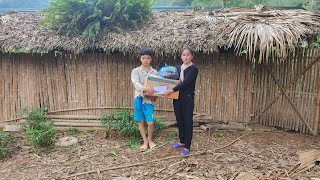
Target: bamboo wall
x=303, y=92
x=66, y=81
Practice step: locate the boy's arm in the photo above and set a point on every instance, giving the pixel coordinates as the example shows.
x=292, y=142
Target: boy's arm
x=135, y=80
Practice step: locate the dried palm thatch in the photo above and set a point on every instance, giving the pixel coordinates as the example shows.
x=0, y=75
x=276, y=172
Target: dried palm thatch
x=271, y=32
x=259, y=32
x=167, y=33
x=19, y=33
x=307, y=160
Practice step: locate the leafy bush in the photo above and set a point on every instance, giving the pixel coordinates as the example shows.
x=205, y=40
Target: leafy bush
x=122, y=122
x=89, y=17
x=36, y=116
x=4, y=149
x=39, y=129
x=41, y=135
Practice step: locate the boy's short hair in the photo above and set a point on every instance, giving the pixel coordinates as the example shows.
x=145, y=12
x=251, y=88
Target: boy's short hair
x=146, y=51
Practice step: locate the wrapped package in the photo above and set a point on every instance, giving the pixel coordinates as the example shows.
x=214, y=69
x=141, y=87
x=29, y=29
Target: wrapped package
x=169, y=72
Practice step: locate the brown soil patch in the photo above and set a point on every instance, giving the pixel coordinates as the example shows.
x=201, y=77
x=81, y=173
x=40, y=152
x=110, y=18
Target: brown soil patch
x=266, y=155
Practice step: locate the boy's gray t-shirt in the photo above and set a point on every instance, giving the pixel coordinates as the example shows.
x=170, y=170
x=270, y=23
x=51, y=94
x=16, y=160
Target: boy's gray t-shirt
x=138, y=77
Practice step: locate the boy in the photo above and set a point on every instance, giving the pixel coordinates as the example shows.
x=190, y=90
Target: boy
x=143, y=105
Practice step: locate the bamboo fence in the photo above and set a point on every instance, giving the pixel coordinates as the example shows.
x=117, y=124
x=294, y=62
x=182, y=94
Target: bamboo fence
x=68, y=81
x=229, y=88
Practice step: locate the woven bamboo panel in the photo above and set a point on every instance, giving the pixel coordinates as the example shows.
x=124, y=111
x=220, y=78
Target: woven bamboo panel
x=302, y=91
x=68, y=81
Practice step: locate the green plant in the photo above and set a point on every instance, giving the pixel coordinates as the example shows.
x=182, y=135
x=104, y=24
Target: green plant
x=36, y=115
x=73, y=131
x=41, y=135
x=90, y=17
x=158, y=126
x=217, y=133
x=316, y=42
x=89, y=131
x=134, y=142
x=23, y=111
x=39, y=129
x=122, y=122
x=4, y=149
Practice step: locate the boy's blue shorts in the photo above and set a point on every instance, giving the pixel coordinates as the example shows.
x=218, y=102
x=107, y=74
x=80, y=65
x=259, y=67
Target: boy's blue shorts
x=142, y=112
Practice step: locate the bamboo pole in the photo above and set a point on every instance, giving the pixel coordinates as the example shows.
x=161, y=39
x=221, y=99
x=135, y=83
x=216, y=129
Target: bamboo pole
x=90, y=108
x=67, y=116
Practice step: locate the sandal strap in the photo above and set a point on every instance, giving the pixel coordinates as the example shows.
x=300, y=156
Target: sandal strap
x=184, y=152
x=143, y=147
x=152, y=145
x=177, y=145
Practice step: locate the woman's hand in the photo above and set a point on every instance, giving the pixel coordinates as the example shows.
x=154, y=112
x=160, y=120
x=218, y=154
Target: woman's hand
x=168, y=92
x=148, y=90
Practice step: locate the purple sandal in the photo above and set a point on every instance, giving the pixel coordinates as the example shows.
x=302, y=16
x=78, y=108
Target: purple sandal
x=184, y=152
x=177, y=145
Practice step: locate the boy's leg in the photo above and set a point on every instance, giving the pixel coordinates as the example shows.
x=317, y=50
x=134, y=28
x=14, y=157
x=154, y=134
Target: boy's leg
x=187, y=112
x=139, y=117
x=179, y=119
x=143, y=132
x=148, y=110
x=150, y=131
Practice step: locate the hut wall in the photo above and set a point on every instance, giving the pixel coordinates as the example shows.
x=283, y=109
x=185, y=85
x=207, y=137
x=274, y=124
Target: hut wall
x=303, y=92
x=67, y=81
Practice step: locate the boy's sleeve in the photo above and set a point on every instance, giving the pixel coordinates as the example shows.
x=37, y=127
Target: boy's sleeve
x=155, y=73
x=136, y=83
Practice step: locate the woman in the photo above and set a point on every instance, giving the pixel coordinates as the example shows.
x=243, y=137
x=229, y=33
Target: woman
x=183, y=107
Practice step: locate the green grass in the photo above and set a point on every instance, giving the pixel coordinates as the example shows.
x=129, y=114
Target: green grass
x=170, y=136
x=74, y=131
x=5, y=151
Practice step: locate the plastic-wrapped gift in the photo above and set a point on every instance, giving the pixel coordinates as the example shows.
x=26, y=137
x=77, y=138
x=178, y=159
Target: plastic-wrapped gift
x=169, y=72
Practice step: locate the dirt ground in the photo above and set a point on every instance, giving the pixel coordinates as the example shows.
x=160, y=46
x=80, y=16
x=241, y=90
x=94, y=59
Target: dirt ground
x=261, y=155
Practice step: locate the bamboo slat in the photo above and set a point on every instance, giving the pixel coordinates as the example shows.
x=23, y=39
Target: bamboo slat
x=317, y=114
x=2, y=81
x=286, y=81
x=302, y=93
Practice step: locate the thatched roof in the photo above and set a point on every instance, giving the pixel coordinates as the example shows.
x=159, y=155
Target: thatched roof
x=251, y=29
